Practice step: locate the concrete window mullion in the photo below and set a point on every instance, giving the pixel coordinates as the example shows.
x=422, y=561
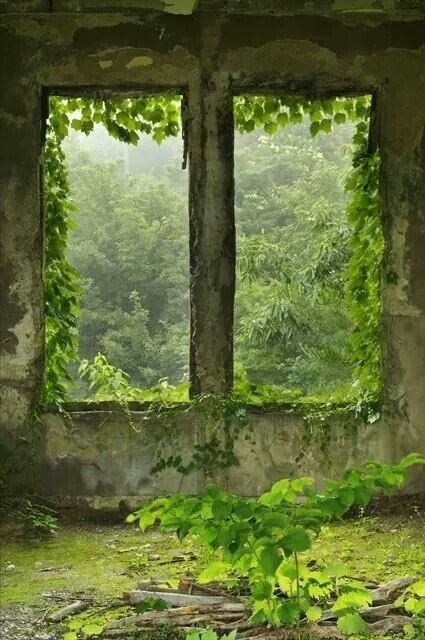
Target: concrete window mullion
x=212, y=237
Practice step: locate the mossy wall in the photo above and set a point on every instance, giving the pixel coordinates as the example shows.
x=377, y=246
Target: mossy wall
x=82, y=47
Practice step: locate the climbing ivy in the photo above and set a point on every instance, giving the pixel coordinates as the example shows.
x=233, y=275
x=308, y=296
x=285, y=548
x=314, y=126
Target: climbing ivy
x=160, y=117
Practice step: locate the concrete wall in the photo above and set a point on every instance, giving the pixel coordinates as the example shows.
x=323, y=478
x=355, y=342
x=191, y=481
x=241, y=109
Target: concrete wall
x=103, y=457
x=62, y=46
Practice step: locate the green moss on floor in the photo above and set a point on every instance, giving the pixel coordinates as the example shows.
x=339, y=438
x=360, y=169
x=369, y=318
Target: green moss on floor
x=103, y=562
x=106, y=561
x=375, y=548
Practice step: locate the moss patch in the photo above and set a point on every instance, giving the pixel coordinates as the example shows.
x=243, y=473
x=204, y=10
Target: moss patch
x=105, y=561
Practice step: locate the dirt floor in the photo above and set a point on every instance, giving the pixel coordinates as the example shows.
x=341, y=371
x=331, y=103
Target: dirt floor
x=100, y=563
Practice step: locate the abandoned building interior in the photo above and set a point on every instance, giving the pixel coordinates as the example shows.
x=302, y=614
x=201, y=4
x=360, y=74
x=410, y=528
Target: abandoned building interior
x=209, y=52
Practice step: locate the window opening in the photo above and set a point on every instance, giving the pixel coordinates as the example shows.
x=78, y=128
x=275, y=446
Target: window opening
x=309, y=246
x=117, y=265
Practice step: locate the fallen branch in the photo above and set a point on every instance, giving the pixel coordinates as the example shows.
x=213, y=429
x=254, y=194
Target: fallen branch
x=392, y=624
x=172, y=597
x=69, y=610
x=388, y=592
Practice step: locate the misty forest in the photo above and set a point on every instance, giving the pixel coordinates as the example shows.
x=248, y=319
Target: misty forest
x=130, y=244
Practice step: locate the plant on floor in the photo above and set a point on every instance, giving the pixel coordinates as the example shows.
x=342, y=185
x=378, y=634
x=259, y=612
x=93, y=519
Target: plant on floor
x=37, y=518
x=261, y=541
x=413, y=601
x=209, y=634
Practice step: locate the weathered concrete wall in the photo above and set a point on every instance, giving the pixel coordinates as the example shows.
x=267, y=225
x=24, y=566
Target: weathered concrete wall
x=209, y=56
x=103, y=457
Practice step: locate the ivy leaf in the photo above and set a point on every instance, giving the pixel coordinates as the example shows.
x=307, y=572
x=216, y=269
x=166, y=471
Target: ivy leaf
x=351, y=623
x=314, y=128
x=270, y=128
x=270, y=560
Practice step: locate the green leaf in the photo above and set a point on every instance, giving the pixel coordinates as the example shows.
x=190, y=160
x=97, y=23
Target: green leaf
x=418, y=588
x=313, y=614
x=296, y=539
x=131, y=518
x=314, y=128
x=289, y=612
x=146, y=519
x=282, y=119
x=221, y=510
x=270, y=560
x=262, y=590
x=352, y=600
x=340, y=118
x=70, y=635
x=270, y=128
x=215, y=571
x=351, y=623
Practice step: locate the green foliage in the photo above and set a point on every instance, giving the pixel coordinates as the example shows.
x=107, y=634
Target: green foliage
x=261, y=540
x=61, y=282
x=363, y=240
x=362, y=277
x=135, y=307
x=413, y=599
x=286, y=314
x=110, y=383
x=37, y=518
x=209, y=634
x=292, y=323
x=125, y=120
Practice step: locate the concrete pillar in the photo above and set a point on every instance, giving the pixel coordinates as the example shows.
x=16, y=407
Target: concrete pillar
x=403, y=188
x=212, y=229
x=21, y=298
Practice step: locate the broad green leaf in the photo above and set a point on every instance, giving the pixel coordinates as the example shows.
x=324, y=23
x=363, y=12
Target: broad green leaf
x=289, y=612
x=216, y=570
x=313, y=613
x=262, y=590
x=296, y=539
x=418, y=588
x=147, y=519
x=351, y=623
x=352, y=600
x=270, y=559
x=221, y=510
